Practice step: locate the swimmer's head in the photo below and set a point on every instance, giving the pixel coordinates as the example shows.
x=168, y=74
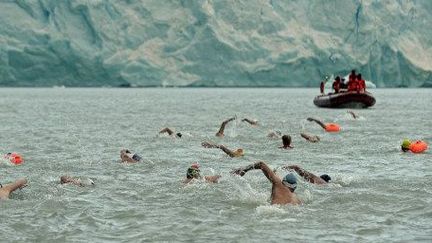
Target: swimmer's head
x=179, y=135
x=239, y=152
x=286, y=140
x=65, y=179
x=193, y=171
x=290, y=181
x=338, y=78
x=405, y=145
x=353, y=71
x=325, y=177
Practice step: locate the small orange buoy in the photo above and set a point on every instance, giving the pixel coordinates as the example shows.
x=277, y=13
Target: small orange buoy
x=332, y=127
x=14, y=158
x=418, y=146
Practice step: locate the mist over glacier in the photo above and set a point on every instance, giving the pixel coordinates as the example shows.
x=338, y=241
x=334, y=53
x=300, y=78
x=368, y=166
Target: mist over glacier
x=213, y=42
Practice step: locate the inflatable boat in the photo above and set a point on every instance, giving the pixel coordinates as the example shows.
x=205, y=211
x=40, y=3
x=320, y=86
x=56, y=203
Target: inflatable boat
x=347, y=99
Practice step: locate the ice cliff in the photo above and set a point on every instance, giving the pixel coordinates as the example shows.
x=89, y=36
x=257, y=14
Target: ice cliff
x=213, y=42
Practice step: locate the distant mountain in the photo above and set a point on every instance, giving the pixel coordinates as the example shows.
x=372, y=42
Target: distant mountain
x=202, y=43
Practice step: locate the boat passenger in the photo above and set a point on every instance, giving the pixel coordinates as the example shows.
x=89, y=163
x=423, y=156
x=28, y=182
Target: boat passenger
x=193, y=172
x=170, y=132
x=336, y=84
x=282, y=190
x=323, y=179
x=220, y=133
x=236, y=153
x=5, y=190
x=361, y=83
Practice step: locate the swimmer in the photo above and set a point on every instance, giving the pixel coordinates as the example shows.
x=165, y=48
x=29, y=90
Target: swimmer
x=237, y=153
x=6, y=189
x=194, y=173
x=353, y=114
x=312, y=139
x=170, y=132
x=274, y=134
x=329, y=127
x=282, y=190
x=252, y=122
x=220, y=133
x=74, y=181
x=323, y=179
x=286, y=142
x=127, y=157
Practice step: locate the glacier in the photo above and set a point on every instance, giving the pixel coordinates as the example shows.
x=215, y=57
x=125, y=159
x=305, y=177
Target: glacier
x=213, y=43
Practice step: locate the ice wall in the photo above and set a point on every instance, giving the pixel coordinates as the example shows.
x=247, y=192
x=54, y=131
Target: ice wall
x=213, y=42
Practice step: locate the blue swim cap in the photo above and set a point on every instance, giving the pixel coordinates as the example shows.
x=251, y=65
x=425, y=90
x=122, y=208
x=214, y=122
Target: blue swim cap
x=290, y=180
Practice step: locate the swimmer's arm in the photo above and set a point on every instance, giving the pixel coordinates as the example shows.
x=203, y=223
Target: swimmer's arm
x=222, y=128
x=167, y=130
x=21, y=183
x=226, y=150
x=212, y=179
x=250, y=121
x=261, y=166
x=317, y=121
x=303, y=173
x=206, y=144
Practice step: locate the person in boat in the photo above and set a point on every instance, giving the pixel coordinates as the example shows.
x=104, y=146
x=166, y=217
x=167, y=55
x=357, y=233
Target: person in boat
x=353, y=82
x=274, y=134
x=127, y=157
x=310, y=138
x=329, y=127
x=170, y=132
x=336, y=84
x=7, y=189
x=252, y=122
x=342, y=84
x=236, y=153
x=286, y=142
x=193, y=172
x=282, y=190
x=322, y=179
x=74, y=181
x=361, y=83
x=220, y=133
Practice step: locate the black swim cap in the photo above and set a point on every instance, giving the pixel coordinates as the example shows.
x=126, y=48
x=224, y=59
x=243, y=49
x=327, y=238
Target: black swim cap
x=179, y=135
x=325, y=177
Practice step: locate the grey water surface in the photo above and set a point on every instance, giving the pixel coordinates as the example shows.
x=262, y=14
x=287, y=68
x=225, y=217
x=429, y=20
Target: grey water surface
x=377, y=193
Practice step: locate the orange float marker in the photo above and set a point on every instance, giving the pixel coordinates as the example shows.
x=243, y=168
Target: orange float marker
x=332, y=127
x=418, y=146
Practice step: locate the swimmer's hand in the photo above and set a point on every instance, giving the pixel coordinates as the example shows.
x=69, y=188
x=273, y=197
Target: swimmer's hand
x=310, y=119
x=239, y=171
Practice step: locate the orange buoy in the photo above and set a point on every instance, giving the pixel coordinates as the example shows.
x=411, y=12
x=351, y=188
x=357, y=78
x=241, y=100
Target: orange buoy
x=332, y=127
x=14, y=158
x=418, y=146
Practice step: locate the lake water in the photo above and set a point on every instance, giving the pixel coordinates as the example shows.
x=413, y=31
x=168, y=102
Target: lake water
x=377, y=193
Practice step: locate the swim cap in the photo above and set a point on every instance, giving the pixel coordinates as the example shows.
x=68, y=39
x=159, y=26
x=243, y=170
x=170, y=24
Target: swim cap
x=179, y=135
x=325, y=177
x=136, y=157
x=192, y=173
x=406, y=143
x=290, y=181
